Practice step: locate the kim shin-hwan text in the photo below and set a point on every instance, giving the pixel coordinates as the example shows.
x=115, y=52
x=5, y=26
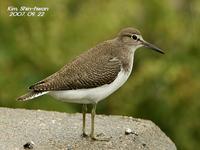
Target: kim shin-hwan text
x=27, y=11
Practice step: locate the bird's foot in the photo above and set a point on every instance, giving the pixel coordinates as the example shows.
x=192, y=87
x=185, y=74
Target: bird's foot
x=84, y=135
x=100, y=138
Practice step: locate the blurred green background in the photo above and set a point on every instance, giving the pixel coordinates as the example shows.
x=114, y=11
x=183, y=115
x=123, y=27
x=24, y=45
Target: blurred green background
x=163, y=88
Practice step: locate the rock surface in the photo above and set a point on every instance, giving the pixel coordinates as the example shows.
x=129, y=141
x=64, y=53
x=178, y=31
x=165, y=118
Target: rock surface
x=43, y=130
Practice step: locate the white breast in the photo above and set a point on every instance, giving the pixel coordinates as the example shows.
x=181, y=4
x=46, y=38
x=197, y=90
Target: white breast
x=92, y=95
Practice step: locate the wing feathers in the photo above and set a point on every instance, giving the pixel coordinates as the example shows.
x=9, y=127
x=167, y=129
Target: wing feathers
x=79, y=75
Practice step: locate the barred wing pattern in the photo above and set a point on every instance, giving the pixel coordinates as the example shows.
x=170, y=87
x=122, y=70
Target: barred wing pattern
x=81, y=74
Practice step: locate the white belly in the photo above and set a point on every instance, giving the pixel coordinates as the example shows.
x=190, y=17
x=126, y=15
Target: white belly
x=92, y=95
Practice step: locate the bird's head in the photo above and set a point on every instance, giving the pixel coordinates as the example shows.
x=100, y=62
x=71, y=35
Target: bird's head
x=132, y=37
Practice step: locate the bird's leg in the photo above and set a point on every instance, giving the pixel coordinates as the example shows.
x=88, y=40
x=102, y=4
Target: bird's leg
x=92, y=135
x=84, y=111
x=93, y=112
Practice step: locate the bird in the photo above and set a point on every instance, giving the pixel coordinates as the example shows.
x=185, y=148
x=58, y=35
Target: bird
x=93, y=75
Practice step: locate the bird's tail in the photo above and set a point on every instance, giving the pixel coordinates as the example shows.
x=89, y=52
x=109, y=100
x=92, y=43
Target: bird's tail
x=31, y=95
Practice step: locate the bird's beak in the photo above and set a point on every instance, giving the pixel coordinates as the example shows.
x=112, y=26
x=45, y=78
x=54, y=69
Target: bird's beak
x=151, y=46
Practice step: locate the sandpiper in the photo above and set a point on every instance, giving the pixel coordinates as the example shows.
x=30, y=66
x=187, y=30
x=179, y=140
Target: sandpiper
x=94, y=75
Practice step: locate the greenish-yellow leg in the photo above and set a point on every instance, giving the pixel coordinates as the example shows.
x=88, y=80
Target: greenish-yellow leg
x=92, y=135
x=84, y=111
x=93, y=112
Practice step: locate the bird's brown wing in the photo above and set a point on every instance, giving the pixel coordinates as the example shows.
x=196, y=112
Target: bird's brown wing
x=81, y=74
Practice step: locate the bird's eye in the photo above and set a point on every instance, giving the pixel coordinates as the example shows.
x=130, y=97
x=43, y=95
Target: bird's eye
x=134, y=37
